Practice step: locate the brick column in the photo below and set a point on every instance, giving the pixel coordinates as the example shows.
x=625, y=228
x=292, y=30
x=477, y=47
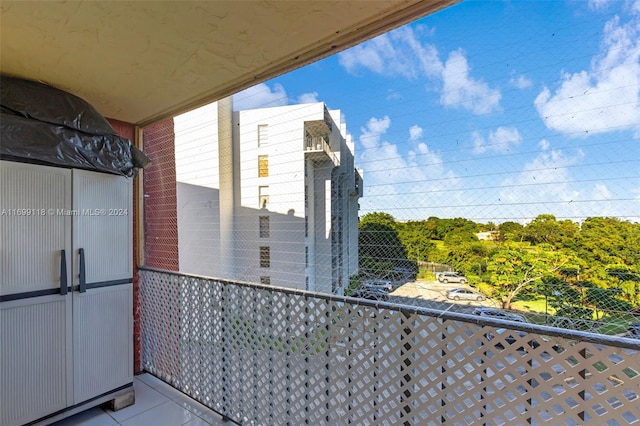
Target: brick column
x=160, y=206
x=128, y=131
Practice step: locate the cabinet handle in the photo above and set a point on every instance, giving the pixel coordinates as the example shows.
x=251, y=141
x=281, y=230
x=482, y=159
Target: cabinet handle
x=63, y=273
x=83, y=278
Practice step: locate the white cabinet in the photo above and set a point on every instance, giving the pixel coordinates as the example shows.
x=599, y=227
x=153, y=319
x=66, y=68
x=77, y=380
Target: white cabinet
x=66, y=310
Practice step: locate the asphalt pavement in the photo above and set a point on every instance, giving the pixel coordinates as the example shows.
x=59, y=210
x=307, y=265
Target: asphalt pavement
x=433, y=295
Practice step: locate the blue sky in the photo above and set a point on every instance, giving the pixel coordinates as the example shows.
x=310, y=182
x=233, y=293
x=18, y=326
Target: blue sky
x=489, y=110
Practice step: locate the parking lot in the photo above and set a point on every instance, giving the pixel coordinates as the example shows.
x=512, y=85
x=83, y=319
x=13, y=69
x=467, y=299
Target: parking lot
x=433, y=294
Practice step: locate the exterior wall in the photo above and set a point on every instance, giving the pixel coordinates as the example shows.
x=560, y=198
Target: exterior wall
x=198, y=229
x=197, y=148
x=197, y=191
x=321, y=204
x=302, y=255
x=285, y=181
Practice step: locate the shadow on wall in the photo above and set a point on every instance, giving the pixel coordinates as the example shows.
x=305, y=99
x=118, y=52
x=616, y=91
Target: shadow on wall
x=200, y=241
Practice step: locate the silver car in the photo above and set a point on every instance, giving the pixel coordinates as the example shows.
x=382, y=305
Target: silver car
x=465, y=294
x=498, y=313
x=451, y=277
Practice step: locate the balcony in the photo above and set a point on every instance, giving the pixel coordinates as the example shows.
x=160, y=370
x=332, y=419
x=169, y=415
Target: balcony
x=262, y=355
x=317, y=148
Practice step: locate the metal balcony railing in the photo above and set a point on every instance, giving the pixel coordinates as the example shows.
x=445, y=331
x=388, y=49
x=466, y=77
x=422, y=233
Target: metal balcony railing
x=321, y=144
x=268, y=356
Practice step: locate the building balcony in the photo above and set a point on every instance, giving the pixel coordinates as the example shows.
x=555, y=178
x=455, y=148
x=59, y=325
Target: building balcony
x=262, y=355
x=317, y=148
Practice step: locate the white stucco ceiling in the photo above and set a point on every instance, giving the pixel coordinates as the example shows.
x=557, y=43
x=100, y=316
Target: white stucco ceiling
x=140, y=61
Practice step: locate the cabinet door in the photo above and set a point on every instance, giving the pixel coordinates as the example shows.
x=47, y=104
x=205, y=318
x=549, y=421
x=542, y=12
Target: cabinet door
x=35, y=318
x=103, y=229
x=102, y=340
x=36, y=376
x=103, y=270
x=35, y=226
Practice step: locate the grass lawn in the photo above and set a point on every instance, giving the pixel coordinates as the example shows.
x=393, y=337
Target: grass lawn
x=536, y=305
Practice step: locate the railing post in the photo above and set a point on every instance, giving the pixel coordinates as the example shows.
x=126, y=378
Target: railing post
x=405, y=378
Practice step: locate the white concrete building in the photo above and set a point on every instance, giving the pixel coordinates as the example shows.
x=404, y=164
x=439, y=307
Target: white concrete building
x=268, y=195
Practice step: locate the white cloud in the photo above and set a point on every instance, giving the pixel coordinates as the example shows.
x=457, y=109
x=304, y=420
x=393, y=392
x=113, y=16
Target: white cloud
x=397, y=53
x=400, y=53
x=260, y=96
x=394, y=182
x=415, y=133
x=308, y=98
x=460, y=90
x=520, y=81
x=546, y=182
x=498, y=141
x=604, y=98
x=600, y=192
x=372, y=133
x=393, y=95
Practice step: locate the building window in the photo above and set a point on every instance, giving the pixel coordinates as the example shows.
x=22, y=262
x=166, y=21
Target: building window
x=263, y=195
x=263, y=134
x=306, y=256
x=265, y=280
x=264, y=226
x=263, y=165
x=265, y=257
x=306, y=226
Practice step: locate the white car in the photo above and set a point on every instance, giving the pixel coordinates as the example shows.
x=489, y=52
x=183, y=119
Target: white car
x=377, y=283
x=451, y=277
x=465, y=294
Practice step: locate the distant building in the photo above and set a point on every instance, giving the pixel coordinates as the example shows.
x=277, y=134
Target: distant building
x=268, y=195
x=488, y=235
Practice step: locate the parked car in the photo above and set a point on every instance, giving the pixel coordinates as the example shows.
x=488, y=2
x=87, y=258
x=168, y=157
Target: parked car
x=634, y=330
x=465, y=294
x=498, y=313
x=377, y=283
x=371, y=293
x=451, y=277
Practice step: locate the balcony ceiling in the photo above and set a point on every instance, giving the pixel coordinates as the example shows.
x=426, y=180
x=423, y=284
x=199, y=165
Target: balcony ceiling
x=141, y=61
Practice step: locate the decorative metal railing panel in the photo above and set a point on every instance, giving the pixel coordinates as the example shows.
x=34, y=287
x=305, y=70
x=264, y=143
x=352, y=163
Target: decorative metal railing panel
x=267, y=356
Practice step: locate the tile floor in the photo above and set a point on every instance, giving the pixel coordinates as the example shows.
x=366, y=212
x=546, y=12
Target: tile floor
x=157, y=404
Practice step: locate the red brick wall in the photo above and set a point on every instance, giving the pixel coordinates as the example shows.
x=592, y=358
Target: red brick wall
x=128, y=130
x=160, y=209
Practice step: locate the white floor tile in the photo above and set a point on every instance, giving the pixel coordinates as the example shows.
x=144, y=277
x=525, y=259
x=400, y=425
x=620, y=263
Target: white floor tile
x=151, y=380
x=146, y=398
x=167, y=414
x=92, y=417
x=173, y=394
x=197, y=422
x=194, y=406
x=157, y=404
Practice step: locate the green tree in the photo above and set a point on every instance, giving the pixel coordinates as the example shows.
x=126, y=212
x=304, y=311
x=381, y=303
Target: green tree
x=415, y=237
x=379, y=246
x=606, y=301
x=606, y=242
x=459, y=225
x=468, y=257
x=510, y=231
x=515, y=271
x=545, y=229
